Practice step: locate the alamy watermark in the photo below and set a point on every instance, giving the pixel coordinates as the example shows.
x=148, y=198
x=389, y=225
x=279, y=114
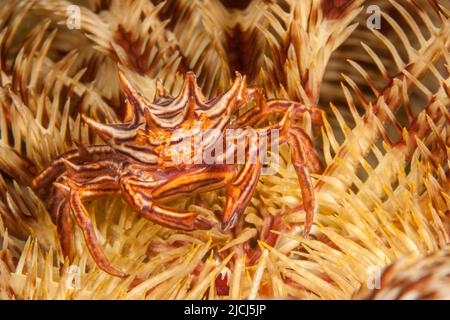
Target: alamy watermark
x=73, y=280
x=73, y=21
x=373, y=280
x=374, y=20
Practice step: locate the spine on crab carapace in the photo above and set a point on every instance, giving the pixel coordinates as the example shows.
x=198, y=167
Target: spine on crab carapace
x=110, y=133
x=134, y=111
x=167, y=113
x=124, y=139
x=161, y=92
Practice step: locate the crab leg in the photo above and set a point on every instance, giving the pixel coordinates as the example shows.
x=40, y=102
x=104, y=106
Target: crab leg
x=254, y=116
x=304, y=159
x=89, y=171
x=80, y=181
x=311, y=158
x=298, y=158
x=141, y=200
x=85, y=223
x=69, y=195
x=66, y=230
x=240, y=191
x=60, y=212
x=204, y=178
x=57, y=166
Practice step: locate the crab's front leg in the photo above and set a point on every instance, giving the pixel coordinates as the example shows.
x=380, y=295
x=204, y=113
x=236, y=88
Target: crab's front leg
x=57, y=167
x=302, y=165
x=241, y=189
x=59, y=208
x=85, y=223
x=305, y=160
x=142, y=196
x=78, y=184
x=265, y=109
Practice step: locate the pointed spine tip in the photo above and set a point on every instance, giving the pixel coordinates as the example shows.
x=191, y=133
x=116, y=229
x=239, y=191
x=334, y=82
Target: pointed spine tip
x=160, y=90
x=70, y=167
x=150, y=121
x=190, y=81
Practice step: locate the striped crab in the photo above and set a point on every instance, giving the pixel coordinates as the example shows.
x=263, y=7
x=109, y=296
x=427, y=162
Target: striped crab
x=137, y=159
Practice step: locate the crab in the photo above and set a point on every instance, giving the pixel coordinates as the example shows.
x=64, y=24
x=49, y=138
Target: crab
x=140, y=159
